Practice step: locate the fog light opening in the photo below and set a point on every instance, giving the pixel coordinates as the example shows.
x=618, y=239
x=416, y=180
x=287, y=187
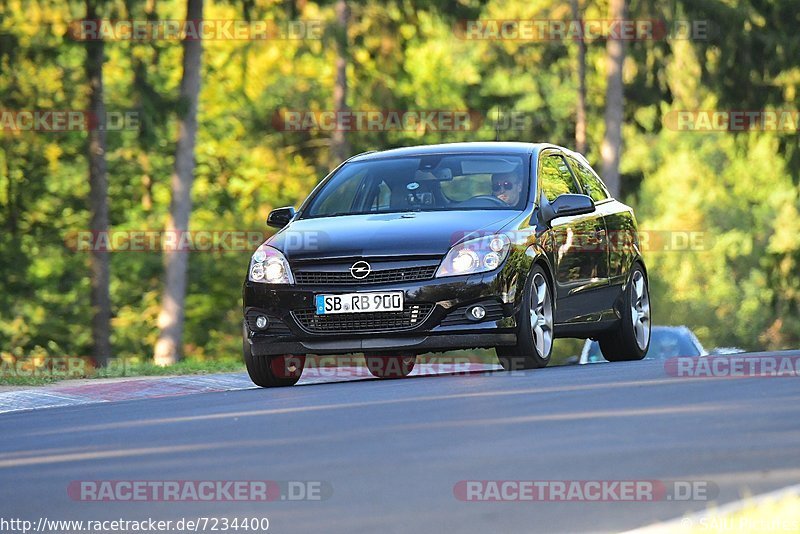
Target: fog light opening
x=262, y=322
x=476, y=313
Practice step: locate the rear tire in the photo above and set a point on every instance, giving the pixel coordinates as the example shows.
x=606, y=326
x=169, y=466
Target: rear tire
x=272, y=371
x=631, y=339
x=535, y=327
x=390, y=366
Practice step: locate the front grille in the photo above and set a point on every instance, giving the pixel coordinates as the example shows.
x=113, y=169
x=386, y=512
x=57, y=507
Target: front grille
x=408, y=274
x=412, y=316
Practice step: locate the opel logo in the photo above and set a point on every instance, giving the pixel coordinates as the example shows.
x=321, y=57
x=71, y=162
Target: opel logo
x=360, y=270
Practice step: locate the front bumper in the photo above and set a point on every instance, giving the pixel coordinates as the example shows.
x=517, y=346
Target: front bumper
x=445, y=327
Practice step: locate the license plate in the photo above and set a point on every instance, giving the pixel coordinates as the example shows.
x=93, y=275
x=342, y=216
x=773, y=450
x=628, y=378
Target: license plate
x=359, y=302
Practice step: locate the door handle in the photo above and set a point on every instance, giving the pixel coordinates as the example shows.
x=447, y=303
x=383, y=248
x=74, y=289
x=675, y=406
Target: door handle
x=599, y=235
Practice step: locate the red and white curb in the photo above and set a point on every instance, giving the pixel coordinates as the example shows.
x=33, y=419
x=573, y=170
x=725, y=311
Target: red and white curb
x=66, y=394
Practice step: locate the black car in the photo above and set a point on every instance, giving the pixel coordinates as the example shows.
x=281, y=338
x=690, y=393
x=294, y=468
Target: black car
x=453, y=246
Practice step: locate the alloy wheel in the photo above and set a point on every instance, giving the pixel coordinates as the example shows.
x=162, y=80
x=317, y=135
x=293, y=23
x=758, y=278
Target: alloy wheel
x=541, y=315
x=640, y=309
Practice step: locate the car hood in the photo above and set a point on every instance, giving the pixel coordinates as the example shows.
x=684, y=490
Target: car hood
x=387, y=234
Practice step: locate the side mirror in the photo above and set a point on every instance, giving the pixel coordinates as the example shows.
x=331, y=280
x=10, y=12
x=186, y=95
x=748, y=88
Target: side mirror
x=280, y=217
x=570, y=204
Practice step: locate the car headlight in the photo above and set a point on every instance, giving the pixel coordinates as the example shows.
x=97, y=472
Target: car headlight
x=269, y=266
x=475, y=256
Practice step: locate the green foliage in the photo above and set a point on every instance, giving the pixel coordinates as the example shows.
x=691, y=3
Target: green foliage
x=740, y=287
x=738, y=284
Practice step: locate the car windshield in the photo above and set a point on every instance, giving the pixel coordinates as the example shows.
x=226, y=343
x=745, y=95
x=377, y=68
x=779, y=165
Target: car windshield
x=424, y=183
x=669, y=343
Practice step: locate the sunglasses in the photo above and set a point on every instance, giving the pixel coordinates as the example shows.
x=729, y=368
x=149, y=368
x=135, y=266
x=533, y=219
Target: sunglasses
x=497, y=187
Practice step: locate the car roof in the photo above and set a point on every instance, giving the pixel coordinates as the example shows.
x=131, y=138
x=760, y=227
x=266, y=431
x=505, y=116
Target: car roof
x=488, y=147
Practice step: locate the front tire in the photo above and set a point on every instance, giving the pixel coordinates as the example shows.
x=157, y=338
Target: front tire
x=535, y=327
x=272, y=371
x=631, y=339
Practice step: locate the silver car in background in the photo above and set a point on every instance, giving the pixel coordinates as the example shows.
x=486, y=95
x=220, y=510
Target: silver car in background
x=665, y=342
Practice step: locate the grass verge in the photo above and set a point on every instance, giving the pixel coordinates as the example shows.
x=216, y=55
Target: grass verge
x=48, y=370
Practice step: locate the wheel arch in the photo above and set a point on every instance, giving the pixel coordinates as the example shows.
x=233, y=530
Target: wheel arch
x=634, y=261
x=540, y=258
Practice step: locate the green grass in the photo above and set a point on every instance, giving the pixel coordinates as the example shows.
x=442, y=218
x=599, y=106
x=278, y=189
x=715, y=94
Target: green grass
x=28, y=374
x=27, y=380
x=184, y=367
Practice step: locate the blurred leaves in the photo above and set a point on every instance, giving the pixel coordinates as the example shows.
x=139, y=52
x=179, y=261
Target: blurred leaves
x=741, y=190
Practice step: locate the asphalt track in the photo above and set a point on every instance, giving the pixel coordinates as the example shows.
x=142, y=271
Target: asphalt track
x=392, y=451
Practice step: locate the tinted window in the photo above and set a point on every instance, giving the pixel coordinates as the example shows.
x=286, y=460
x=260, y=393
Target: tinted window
x=556, y=179
x=340, y=199
x=427, y=183
x=382, y=199
x=461, y=188
x=590, y=182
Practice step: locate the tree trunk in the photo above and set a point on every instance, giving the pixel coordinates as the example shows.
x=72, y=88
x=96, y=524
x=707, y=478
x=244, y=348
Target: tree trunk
x=340, y=148
x=580, y=116
x=169, y=346
x=612, y=141
x=98, y=198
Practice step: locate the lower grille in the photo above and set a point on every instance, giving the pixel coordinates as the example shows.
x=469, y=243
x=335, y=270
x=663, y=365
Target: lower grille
x=276, y=327
x=494, y=312
x=408, y=274
x=412, y=316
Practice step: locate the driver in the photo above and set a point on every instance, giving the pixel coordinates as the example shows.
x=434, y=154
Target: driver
x=507, y=186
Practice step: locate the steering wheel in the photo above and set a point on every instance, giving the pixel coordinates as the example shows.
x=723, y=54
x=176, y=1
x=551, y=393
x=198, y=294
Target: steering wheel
x=493, y=199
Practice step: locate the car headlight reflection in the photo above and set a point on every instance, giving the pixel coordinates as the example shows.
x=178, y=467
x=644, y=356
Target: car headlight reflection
x=475, y=256
x=269, y=266
x=464, y=262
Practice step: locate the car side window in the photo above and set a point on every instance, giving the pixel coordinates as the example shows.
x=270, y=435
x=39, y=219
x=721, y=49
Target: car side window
x=556, y=178
x=339, y=199
x=591, y=183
